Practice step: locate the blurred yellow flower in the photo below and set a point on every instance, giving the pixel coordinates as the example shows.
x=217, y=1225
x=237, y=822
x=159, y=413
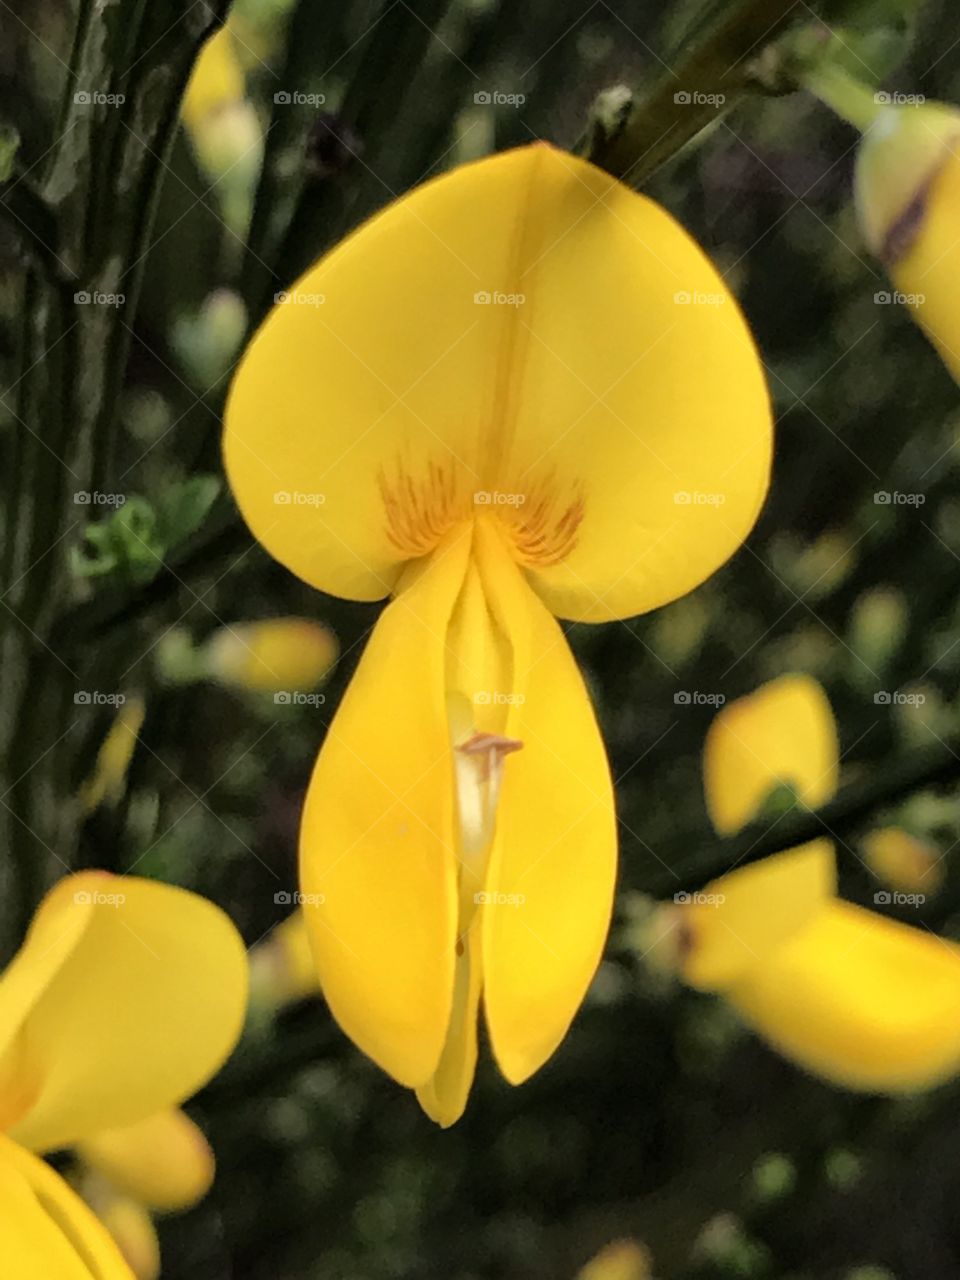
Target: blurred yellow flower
x=903, y=862
x=864, y=1001
x=520, y=392
x=282, y=968
x=908, y=198
x=621, y=1260
x=107, y=782
x=271, y=656
x=161, y=1164
x=164, y=1160
x=222, y=124
x=216, y=82
x=125, y=997
x=782, y=733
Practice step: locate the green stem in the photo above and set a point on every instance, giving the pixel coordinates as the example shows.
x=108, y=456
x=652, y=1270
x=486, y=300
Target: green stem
x=849, y=99
x=927, y=766
x=632, y=135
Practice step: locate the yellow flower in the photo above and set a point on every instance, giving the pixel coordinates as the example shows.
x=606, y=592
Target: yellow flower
x=908, y=201
x=125, y=997
x=274, y=655
x=520, y=392
x=864, y=1001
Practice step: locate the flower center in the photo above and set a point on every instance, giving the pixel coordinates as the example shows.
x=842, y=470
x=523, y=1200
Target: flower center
x=479, y=771
x=421, y=510
x=543, y=527
x=540, y=518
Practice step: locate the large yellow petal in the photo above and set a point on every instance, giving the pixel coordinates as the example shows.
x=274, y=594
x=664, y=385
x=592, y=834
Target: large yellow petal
x=164, y=1161
x=507, y=335
x=125, y=997
x=378, y=846
x=741, y=919
x=782, y=732
x=46, y=1231
x=550, y=879
x=866, y=1002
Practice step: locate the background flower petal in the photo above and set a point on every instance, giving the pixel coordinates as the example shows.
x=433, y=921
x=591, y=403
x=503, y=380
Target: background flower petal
x=126, y=996
x=866, y=1002
x=741, y=918
x=783, y=732
x=46, y=1231
x=164, y=1161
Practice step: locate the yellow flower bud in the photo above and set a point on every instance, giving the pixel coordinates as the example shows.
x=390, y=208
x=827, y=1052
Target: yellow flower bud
x=908, y=201
x=281, y=654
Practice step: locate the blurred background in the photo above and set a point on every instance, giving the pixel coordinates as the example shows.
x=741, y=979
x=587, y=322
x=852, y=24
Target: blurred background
x=661, y=1119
